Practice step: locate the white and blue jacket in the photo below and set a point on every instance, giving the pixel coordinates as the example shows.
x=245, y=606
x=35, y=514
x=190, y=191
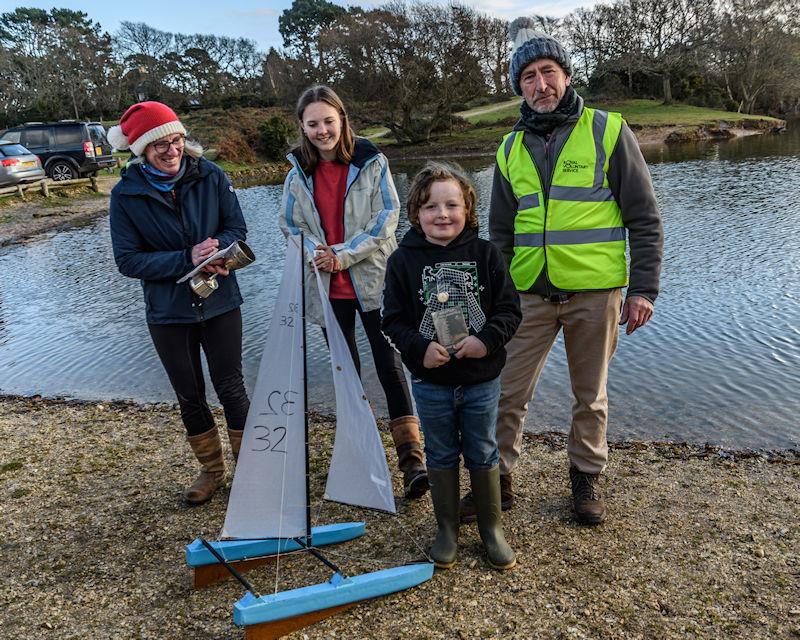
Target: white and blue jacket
x=371, y=212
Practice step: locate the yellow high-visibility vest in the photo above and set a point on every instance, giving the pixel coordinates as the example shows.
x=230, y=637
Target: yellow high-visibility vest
x=575, y=231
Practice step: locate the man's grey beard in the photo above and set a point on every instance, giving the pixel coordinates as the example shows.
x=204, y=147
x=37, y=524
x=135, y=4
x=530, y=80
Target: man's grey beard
x=542, y=109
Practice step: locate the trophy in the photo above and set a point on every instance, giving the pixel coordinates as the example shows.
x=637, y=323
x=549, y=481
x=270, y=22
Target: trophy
x=236, y=256
x=451, y=327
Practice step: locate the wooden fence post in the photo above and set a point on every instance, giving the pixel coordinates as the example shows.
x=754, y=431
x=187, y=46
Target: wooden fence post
x=45, y=190
x=94, y=184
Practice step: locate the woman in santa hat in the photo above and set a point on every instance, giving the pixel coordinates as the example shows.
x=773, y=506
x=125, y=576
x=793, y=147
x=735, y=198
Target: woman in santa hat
x=171, y=210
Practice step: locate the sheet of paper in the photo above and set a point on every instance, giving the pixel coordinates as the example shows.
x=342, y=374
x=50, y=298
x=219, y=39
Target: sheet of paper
x=211, y=258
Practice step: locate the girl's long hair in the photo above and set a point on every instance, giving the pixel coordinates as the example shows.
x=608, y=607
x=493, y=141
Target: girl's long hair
x=309, y=155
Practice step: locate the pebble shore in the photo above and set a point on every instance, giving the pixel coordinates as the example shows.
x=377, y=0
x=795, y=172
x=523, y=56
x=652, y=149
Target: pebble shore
x=699, y=543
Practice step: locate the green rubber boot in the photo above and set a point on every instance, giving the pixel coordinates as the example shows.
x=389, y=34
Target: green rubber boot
x=444, y=493
x=486, y=493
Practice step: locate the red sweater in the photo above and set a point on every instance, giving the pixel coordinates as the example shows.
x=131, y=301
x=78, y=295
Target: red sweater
x=330, y=183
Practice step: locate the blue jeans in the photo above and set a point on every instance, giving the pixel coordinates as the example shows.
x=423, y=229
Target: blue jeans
x=458, y=420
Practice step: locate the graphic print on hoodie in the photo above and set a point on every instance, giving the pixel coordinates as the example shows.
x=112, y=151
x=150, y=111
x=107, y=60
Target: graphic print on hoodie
x=451, y=284
x=469, y=272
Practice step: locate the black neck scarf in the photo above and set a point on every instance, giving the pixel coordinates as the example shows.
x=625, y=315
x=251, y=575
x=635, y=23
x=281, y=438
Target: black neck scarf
x=544, y=123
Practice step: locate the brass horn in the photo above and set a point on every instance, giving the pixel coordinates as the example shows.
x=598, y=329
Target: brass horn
x=238, y=255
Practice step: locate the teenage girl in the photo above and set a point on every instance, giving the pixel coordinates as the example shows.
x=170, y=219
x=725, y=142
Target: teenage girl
x=341, y=196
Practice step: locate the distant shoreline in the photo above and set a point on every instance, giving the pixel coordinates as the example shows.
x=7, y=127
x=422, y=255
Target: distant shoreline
x=21, y=221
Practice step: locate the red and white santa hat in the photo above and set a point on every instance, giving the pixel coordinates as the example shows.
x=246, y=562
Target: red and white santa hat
x=143, y=123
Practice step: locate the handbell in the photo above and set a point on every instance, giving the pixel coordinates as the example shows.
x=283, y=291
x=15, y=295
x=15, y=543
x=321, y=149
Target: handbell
x=236, y=256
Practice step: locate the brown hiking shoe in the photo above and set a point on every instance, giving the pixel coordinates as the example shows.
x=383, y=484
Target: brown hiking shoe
x=467, y=505
x=587, y=502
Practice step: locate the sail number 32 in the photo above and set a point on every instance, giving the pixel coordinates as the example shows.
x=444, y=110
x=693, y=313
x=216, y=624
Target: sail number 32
x=271, y=438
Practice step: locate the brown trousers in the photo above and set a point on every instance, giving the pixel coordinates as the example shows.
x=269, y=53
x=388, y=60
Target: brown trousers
x=590, y=324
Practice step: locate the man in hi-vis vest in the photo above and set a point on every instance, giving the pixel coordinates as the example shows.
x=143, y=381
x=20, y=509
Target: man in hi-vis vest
x=570, y=184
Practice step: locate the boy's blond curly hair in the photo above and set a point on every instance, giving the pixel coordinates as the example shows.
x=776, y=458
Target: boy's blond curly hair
x=420, y=191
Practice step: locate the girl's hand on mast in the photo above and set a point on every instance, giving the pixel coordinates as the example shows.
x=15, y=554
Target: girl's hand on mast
x=326, y=260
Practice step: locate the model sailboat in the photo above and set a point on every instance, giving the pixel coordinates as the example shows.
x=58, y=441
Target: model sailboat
x=269, y=506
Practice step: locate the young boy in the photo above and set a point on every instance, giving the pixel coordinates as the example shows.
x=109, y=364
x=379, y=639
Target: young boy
x=449, y=307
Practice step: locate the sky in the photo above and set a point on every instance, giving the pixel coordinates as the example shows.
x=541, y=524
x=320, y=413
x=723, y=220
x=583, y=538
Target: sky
x=250, y=18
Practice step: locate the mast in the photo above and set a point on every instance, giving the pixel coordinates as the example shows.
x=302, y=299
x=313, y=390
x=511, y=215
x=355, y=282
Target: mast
x=305, y=388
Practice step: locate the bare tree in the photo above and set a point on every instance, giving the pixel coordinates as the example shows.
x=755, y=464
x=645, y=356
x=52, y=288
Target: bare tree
x=494, y=47
x=668, y=34
x=140, y=39
x=407, y=64
x=759, y=48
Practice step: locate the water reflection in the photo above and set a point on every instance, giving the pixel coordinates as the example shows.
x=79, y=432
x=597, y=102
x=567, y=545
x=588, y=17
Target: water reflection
x=718, y=363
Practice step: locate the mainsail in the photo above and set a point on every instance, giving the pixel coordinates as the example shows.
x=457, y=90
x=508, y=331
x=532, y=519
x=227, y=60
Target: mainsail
x=268, y=496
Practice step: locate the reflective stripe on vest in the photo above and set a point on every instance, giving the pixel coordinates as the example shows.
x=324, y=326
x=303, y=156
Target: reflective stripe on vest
x=575, y=231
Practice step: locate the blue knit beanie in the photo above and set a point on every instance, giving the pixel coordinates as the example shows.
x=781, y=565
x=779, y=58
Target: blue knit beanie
x=531, y=44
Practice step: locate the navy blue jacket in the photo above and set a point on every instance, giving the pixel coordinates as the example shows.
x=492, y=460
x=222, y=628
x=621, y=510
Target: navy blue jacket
x=152, y=234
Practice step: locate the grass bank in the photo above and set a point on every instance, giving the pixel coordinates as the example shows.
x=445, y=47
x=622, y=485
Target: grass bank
x=651, y=121
x=641, y=113
x=699, y=543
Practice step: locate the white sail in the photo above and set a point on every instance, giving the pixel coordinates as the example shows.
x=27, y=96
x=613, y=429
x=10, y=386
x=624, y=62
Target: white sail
x=359, y=474
x=268, y=496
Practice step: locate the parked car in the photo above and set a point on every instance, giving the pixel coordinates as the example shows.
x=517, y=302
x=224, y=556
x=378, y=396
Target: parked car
x=67, y=149
x=17, y=164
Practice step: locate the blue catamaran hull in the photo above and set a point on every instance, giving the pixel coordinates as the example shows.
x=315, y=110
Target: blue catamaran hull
x=338, y=591
x=232, y=550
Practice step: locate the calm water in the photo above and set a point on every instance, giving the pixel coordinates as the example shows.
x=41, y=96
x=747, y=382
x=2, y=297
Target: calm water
x=720, y=362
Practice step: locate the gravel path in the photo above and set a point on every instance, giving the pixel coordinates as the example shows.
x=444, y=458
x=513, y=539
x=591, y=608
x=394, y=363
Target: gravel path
x=699, y=543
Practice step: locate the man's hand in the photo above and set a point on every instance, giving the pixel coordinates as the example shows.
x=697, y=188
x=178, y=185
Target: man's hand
x=470, y=347
x=435, y=356
x=636, y=312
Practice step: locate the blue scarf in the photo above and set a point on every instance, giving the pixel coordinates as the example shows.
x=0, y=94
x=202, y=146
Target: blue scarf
x=160, y=180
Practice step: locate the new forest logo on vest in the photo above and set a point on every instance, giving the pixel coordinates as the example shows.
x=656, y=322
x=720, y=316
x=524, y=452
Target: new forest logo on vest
x=574, y=230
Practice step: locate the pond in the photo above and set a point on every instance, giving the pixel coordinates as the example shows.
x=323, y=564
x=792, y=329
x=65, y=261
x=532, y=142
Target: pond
x=719, y=363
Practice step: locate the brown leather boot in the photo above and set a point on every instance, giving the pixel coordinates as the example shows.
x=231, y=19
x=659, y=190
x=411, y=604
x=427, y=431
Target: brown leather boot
x=587, y=502
x=235, y=438
x=208, y=451
x=467, y=505
x=405, y=433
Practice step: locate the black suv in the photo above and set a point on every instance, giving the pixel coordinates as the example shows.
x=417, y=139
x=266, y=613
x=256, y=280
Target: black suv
x=67, y=149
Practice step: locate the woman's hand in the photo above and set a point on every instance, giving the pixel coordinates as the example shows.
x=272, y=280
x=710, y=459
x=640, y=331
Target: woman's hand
x=435, y=356
x=216, y=267
x=204, y=250
x=327, y=260
x=470, y=347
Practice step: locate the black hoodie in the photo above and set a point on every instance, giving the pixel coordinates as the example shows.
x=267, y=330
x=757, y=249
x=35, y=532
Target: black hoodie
x=472, y=271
